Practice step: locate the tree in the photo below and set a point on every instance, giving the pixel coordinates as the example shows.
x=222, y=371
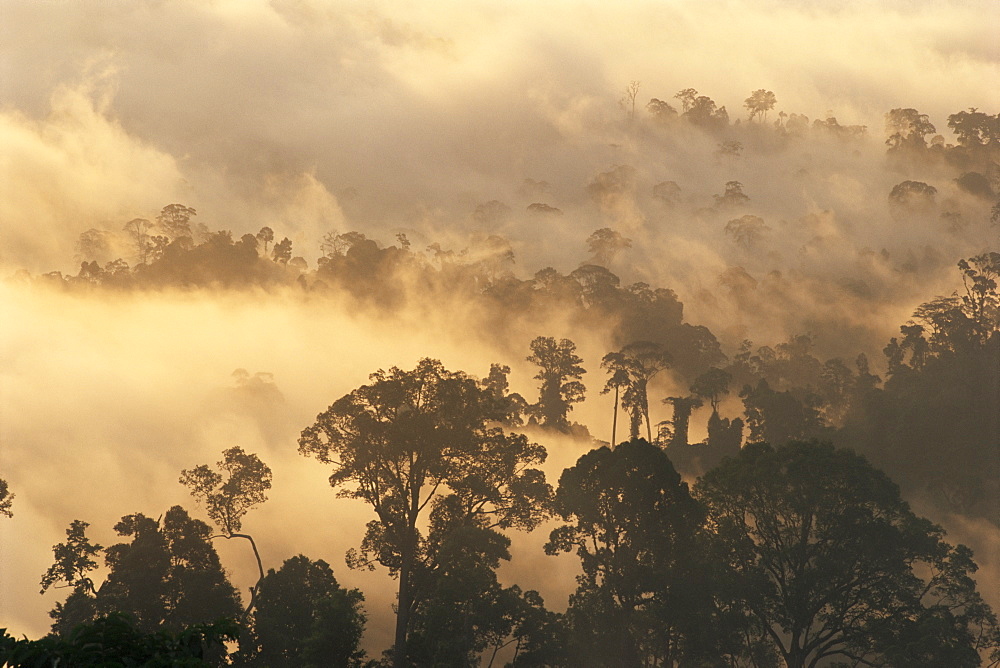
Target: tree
x=934, y=423
x=777, y=417
x=681, y=420
x=6, y=499
x=617, y=366
x=905, y=129
x=667, y=191
x=628, y=99
x=265, y=236
x=169, y=575
x=747, y=231
x=975, y=128
x=138, y=232
x=826, y=561
x=730, y=150
x=413, y=442
x=229, y=496
x=463, y=609
x=639, y=361
x=94, y=245
x=635, y=527
x=282, y=251
x=661, y=111
x=912, y=194
x=712, y=385
x=560, y=375
x=74, y=559
x=687, y=97
x=511, y=404
x=733, y=195
x=113, y=640
x=305, y=618
x=703, y=113
x=605, y=244
x=759, y=103
x=175, y=220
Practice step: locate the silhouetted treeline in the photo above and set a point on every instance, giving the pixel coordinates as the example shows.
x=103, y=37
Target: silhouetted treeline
x=787, y=556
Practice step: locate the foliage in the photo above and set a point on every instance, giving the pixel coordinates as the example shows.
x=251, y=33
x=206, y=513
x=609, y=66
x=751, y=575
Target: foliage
x=6, y=499
x=228, y=498
x=418, y=441
x=116, y=641
x=934, y=424
x=827, y=561
x=169, y=575
x=634, y=526
x=74, y=559
x=759, y=103
x=304, y=617
x=560, y=375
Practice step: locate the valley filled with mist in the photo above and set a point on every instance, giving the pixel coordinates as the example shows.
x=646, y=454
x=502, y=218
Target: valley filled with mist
x=275, y=235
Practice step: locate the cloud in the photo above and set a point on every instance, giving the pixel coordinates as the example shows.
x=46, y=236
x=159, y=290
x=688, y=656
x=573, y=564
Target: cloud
x=311, y=116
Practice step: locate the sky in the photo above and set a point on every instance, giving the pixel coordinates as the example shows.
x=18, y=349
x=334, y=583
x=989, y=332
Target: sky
x=389, y=117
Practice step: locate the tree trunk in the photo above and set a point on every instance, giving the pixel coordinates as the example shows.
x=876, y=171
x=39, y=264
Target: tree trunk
x=614, y=422
x=403, y=602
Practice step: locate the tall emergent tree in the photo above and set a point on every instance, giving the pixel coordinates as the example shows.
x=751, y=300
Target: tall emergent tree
x=632, y=368
x=829, y=564
x=759, y=103
x=560, y=375
x=635, y=527
x=229, y=496
x=412, y=442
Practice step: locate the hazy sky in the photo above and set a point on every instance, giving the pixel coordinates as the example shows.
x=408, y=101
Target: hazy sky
x=386, y=116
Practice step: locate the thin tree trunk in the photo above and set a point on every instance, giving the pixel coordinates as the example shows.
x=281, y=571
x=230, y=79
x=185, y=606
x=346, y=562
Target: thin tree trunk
x=260, y=569
x=614, y=422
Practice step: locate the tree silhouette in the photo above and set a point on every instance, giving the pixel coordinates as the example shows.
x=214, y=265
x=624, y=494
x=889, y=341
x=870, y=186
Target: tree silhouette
x=305, y=618
x=560, y=375
x=174, y=220
x=167, y=577
x=829, y=563
x=6, y=499
x=640, y=361
x=113, y=640
x=74, y=559
x=604, y=244
x=138, y=230
x=733, y=196
x=905, y=129
x=618, y=367
x=681, y=420
x=934, y=423
x=687, y=97
x=265, y=236
x=282, y=251
x=759, y=103
x=660, y=111
x=228, y=496
x=712, y=385
x=628, y=99
x=413, y=442
x=747, y=231
x=703, y=112
x=634, y=525
x=975, y=128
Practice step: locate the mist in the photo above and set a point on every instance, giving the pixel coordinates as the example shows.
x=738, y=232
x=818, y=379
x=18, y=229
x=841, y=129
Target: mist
x=444, y=123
